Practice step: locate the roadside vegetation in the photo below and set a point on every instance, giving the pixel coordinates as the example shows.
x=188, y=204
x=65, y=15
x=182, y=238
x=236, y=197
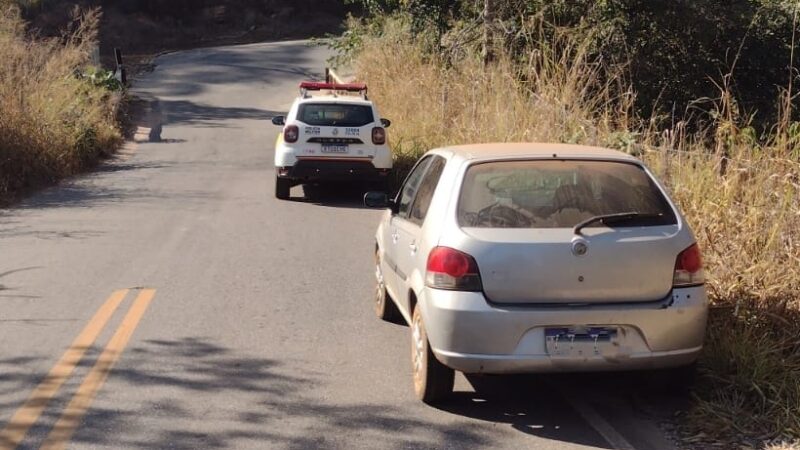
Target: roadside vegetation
x=558, y=74
x=57, y=114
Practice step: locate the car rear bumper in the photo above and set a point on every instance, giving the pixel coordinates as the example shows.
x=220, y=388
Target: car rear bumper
x=472, y=336
x=506, y=364
x=311, y=170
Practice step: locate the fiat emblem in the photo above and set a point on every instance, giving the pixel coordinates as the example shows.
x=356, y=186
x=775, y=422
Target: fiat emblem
x=579, y=248
x=335, y=131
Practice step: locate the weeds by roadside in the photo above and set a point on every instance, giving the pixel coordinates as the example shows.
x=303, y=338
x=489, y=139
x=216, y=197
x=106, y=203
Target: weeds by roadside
x=784, y=446
x=750, y=383
x=53, y=123
x=740, y=192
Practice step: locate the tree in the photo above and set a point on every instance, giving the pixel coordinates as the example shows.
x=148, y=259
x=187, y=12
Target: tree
x=488, y=31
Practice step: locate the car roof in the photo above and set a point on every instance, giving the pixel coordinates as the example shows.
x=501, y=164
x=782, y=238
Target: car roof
x=329, y=98
x=505, y=150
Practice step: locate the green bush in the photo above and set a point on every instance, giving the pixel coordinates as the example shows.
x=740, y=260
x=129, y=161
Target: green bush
x=679, y=51
x=676, y=52
x=102, y=78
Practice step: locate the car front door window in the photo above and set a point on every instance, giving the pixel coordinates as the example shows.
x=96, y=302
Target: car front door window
x=425, y=190
x=409, y=189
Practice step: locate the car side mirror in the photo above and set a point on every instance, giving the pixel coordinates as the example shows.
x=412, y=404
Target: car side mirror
x=279, y=120
x=386, y=123
x=379, y=199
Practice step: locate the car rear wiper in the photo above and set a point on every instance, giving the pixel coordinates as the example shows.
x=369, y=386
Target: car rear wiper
x=612, y=218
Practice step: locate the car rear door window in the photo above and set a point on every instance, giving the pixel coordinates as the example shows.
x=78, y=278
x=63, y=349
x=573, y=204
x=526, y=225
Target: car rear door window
x=335, y=114
x=409, y=188
x=559, y=194
x=426, y=189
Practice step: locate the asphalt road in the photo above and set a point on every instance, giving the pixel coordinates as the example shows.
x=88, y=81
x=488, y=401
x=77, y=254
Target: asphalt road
x=233, y=320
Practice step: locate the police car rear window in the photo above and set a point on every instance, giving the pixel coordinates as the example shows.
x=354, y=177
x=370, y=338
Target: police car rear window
x=335, y=114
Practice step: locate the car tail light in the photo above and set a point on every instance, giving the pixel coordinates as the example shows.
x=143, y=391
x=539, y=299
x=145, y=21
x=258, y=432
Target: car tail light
x=453, y=270
x=291, y=133
x=689, y=268
x=378, y=136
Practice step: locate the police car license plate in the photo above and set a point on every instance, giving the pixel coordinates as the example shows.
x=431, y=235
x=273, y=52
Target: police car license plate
x=334, y=149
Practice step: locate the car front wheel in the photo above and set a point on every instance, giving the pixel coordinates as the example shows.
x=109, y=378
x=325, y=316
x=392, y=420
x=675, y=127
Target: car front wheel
x=433, y=381
x=385, y=308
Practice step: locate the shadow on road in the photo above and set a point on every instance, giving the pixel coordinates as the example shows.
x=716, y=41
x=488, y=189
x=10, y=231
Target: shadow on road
x=84, y=193
x=15, y=376
x=545, y=405
x=195, y=72
x=529, y=404
x=200, y=394
x=347, y=196
x=182, y=112
x=250, y=402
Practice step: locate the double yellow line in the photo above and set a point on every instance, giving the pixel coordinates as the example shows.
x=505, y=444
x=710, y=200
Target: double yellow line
x=27, y=415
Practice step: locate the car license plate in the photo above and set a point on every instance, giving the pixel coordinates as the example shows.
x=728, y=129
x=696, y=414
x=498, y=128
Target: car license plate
x=334, y=149
x=579, y=341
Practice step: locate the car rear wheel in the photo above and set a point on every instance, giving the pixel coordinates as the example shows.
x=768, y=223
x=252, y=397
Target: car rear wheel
x=385, y=308
x=433, y=381
x=282, y=188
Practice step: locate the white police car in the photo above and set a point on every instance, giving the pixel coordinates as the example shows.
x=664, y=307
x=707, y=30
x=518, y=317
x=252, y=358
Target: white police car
x=333, y=133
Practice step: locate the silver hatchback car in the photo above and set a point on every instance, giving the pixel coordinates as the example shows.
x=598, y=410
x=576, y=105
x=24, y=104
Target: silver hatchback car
x=521, y=258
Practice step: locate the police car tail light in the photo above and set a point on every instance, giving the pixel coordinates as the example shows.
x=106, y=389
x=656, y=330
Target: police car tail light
x=689, y=268
x=378, y=136
x=452, y=270
x=291, y=133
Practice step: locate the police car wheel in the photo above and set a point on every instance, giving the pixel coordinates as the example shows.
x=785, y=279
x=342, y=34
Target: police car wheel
x=282, y=188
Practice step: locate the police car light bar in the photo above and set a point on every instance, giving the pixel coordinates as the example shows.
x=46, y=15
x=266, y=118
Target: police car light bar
x=318, y=86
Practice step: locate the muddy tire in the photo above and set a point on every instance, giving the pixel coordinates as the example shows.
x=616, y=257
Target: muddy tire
x=433, y=381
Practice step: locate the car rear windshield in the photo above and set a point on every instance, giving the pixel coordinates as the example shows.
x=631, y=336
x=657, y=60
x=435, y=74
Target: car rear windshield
x=559, y=194
x=335, y=114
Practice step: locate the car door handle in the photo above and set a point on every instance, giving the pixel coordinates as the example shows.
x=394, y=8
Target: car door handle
x=395, y=237
x=413, y=247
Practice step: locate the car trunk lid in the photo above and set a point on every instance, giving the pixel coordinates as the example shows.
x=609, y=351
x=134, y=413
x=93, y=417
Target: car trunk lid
x=569, y=231
x=555, y=266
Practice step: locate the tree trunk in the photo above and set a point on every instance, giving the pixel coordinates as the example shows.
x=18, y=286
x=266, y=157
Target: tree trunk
x=488, y=31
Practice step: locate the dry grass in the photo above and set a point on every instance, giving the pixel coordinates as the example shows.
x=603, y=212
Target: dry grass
x=741, y=195
x=52, y=124
x=560, y=99
x=783, y=446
